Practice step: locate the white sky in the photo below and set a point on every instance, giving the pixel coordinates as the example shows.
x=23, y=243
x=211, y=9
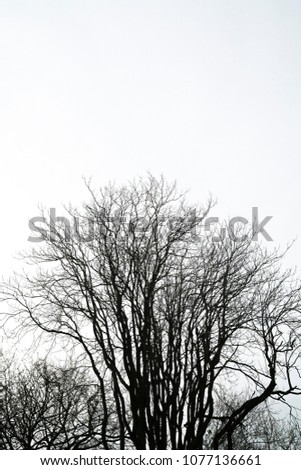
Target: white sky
x=204, y=91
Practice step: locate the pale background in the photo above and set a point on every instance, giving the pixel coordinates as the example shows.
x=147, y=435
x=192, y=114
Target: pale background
x=204, y=91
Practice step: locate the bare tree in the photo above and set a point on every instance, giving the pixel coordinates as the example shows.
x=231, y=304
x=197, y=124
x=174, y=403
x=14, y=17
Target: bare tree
x=266, y=427
x=265, y=430
x=48, y=407
x=164, y=315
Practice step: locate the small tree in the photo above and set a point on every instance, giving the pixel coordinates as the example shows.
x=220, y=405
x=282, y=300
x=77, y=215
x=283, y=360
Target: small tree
x=263, y=428
x=166, y=316
x=47, y=407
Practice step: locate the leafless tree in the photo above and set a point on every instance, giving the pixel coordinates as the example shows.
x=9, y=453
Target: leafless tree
x=267, y=427
x=48, y=407
x=166, y=316
x=264, y=430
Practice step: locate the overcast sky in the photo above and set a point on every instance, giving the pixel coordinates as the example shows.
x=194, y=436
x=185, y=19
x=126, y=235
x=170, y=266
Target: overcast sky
x=207, y=92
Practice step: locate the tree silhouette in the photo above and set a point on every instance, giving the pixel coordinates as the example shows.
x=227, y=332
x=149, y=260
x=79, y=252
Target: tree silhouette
x=48, y=407
x=168, y=319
